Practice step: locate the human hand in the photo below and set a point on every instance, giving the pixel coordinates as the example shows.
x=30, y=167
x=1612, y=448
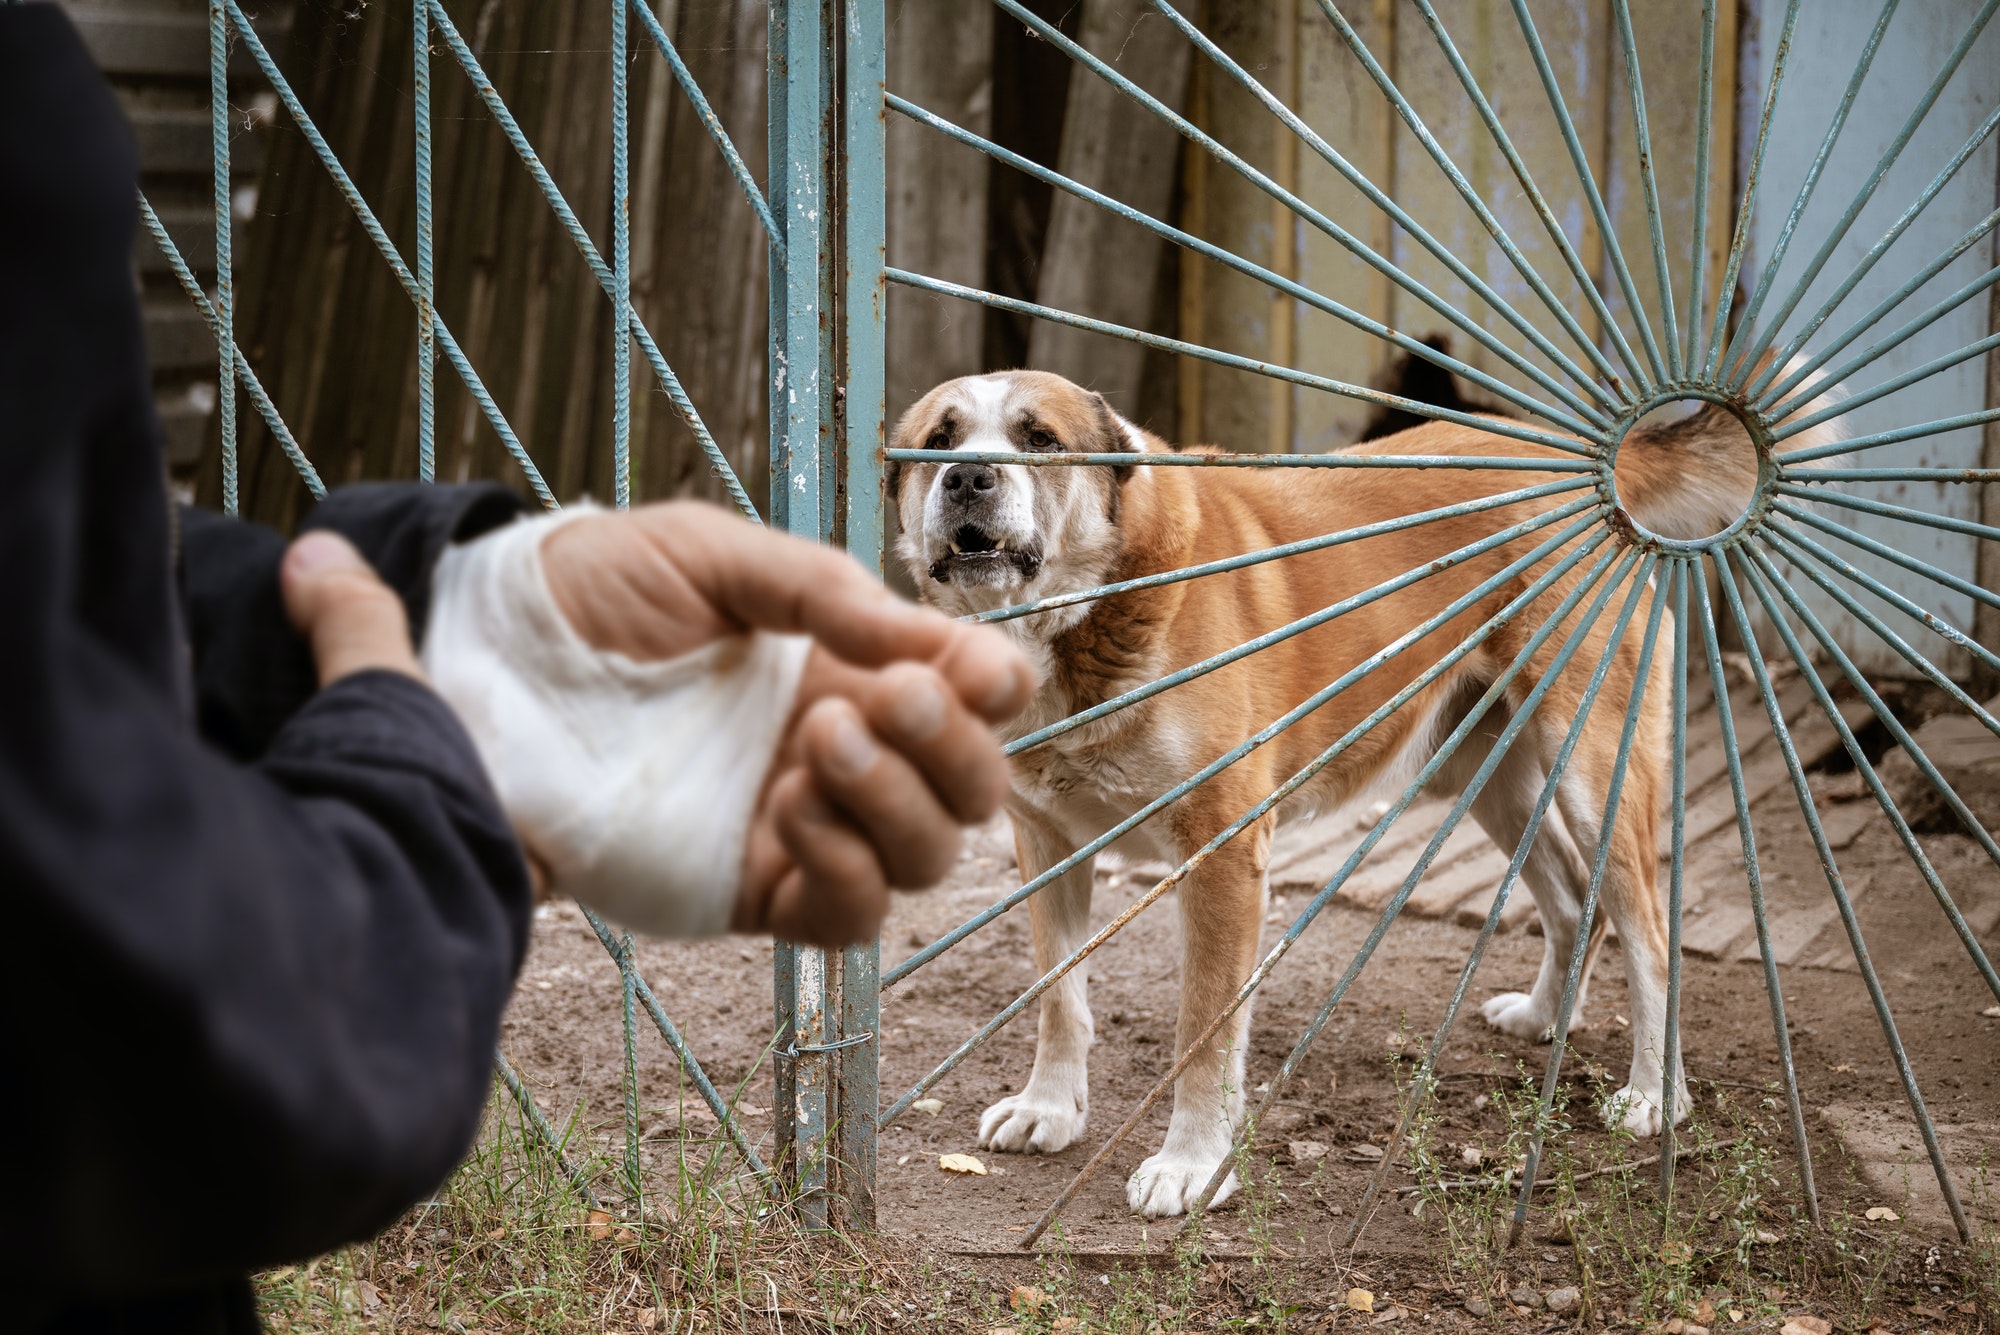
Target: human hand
x=350, y=617
x=888, y=750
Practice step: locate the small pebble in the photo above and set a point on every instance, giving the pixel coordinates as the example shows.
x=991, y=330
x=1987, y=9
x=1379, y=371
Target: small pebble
x=1525, y=1297
x=1563, y=1300
x=1478, y=1306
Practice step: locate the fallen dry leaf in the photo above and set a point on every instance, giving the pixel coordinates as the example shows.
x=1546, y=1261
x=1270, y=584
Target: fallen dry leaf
x=1360, y=1300
x=929, y=1107
x=1735, y=1314
x=1704, y=1312
x=1842, y=1069
x=1765, y=1236
x=1806, y=1325
x=1307, y=1151
x=961, y=1163
x=1676, y=1252
x=1991, y=1012
x=1472, y=1156
x=1882, y=1214
x=598, y=1224
x=1383, y=1318
x=625, y=1237
x=649, y=1318
x=497, y=1234
x=1026, y=1298
x=371, y=1297
x=1067, y=1325
x=1364, y=1151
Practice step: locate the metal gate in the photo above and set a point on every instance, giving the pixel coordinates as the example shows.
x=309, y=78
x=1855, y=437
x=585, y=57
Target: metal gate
x=1574, y=379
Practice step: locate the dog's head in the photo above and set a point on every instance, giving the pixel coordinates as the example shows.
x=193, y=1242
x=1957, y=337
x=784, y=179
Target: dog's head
x=978, y=536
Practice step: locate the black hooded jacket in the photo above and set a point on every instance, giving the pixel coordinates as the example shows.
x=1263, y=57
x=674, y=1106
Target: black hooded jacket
x=258, y=937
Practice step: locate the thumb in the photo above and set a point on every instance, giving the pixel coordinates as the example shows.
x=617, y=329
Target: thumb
x=353, y=620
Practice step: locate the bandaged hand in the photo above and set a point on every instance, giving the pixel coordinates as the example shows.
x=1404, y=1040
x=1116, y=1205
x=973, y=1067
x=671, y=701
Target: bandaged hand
x=697, y=724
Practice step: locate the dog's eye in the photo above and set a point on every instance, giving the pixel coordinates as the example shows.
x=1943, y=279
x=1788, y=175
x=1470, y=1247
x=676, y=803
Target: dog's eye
x=1041, y=440
x=939, y=440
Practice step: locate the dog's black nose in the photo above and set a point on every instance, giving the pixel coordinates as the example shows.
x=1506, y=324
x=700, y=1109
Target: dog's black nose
x=966, y=483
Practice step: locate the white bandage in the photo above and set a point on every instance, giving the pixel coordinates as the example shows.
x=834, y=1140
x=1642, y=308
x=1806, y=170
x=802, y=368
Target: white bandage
x=633, y=782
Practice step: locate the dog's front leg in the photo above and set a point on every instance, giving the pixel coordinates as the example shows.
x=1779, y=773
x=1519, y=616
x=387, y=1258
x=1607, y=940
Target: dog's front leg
x=1048, y=1115
x=1222, y=905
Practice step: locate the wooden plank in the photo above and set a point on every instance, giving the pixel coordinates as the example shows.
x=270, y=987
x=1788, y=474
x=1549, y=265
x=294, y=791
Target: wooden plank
x=1093, y=262
x=162, y=44
x=177, y=139
x=177, y=338
x=941, y=58
x=1795, y=927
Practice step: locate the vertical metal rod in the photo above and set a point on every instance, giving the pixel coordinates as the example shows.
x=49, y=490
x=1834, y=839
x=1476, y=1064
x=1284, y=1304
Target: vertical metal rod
x=1795, y=1109
x=225, y=264
x=635, y=1179
x=420, y=67
x=1698, y=259
x=1803, y=789
x=621, y=262
x=1677, y=873
x=1649, y=180
x=864, y=215
x=1607, y=829
x=1746, y=210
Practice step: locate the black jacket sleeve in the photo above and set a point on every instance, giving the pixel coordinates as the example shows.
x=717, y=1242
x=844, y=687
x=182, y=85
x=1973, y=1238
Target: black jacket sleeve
x=252, y=672
x=249, y=1009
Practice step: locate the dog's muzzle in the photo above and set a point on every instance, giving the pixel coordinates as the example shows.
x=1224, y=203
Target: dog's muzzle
x=973, y=549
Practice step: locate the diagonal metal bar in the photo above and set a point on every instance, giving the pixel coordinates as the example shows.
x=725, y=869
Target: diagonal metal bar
x=1746, y=208
x=1498, y=426
x=1649, y=180
x=1797, y=375
x=1596, y=426
x=1414, y=575
x=1890, y=554
x=1763, y=379
x=1564, y=246
x=1409, y=692
x=536, y=1119
x=1855, y=444
x=712, y=123
x=1670, y=1058
x=1763, y=578
x=1300, y=548
x=1841, y=407
x=1607, y=827
x=1360, y=249
x=1312, y=910
x=1745, y=828
x=1422, y=1085
x=373, y=227
x=1607, y=232
x=1465, y=189
x=1835, y=124
x=265, y=408
x=1698, y=259
x=605, y=275
x=724, y=1115
x=1888, y=510
x=1754, y=344
x=1803, y=789
x=1794, y=541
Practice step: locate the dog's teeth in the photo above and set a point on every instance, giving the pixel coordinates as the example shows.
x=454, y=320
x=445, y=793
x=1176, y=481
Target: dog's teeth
x=957, y=550
x=1000, y=544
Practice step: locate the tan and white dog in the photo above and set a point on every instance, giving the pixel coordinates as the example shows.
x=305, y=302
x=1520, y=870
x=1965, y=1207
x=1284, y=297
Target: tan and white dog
x=978, y=537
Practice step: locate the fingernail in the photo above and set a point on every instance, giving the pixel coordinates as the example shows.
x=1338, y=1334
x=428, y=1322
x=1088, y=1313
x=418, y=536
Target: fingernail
x=323, y=551
x=919, y=709
x=852, y=752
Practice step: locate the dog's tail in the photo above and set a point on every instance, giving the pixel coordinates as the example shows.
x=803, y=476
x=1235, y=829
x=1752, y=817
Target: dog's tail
x=1692, y=477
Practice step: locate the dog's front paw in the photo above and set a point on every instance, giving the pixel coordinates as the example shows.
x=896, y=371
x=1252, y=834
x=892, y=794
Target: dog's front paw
x=1516, y=1013
x=1168, y=1183
x=1028, y=1122
x=1638, y=1113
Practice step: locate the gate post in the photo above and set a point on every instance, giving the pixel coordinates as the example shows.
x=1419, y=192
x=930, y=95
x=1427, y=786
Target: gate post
x=826, y=66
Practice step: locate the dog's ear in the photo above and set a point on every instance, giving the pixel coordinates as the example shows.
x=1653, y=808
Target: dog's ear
x=1111, y=436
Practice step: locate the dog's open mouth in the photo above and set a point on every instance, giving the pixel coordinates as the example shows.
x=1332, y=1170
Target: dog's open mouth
x=975, y=552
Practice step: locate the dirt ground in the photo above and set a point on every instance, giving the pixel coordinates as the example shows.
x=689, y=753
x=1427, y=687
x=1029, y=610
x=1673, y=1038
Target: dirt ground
x=563, y=1033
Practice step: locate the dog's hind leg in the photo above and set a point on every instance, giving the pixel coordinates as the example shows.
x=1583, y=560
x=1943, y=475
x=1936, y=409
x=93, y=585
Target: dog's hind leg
x=1222, y=909
x=1049, y=1113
